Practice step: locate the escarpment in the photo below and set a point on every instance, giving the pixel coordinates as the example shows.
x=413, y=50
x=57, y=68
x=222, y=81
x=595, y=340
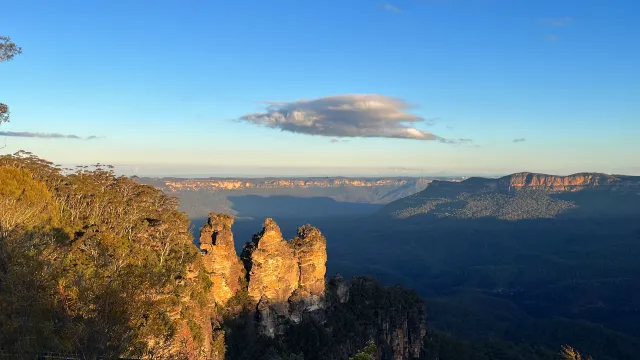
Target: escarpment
x=523, y=196
x=575, y=182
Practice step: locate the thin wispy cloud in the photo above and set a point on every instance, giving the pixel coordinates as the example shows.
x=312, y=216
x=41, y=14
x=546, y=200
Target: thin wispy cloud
x=389, y=7
x=346, y=116
x=335, y=141
x=455, y=141
x=519, y=140
x=38, y=135
x=551, y=38
x=431, y=121
x=557, y=22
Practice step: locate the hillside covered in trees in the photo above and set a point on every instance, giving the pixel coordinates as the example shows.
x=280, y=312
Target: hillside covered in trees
x=95, y=265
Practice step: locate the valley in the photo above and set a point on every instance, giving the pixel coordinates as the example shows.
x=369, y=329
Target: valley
x=527, y=259
x=287, y=197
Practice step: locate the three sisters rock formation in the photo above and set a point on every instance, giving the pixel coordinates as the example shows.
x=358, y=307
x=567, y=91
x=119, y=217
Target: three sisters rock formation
x=271, y=268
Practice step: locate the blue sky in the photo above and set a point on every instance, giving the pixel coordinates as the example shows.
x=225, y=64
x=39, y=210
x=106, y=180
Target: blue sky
x=165, y=85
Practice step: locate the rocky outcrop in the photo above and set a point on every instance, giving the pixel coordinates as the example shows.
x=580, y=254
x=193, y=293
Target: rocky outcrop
x=219, y=257
x=310, y=249
x=271, y=265
x=277, y=268
x=272, y=268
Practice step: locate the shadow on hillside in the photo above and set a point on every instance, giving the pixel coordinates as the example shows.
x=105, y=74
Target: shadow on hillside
x=255, y=206
x=511, y=279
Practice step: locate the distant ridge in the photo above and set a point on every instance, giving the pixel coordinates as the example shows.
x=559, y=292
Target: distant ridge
x=523, y=195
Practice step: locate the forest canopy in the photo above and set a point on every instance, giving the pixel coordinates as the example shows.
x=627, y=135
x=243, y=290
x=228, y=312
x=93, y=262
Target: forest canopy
x=71, y=243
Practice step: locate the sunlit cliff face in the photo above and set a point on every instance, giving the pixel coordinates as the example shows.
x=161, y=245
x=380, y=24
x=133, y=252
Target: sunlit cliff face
x=237, y=184
x=574, y=182
x=275, y=268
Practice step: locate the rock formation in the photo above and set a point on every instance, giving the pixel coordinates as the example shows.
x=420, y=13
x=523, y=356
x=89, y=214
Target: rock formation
x=310, y=249
x=271, y=265
x=273, y=268
x=283, y=287
x=219, y=256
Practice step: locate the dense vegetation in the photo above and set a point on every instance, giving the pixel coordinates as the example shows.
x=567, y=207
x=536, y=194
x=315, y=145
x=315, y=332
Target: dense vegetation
x=91, y=263
x=528, y=204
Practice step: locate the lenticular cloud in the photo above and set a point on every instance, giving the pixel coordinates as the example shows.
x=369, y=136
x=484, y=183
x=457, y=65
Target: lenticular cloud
x=343, y=116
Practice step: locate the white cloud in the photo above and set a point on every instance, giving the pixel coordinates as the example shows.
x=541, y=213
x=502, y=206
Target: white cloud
x=352, y=115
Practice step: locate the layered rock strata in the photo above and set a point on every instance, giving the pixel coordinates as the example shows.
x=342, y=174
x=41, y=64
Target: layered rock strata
x=219, y=257
x=273, y=268
x=271, y=265
x=310, y=249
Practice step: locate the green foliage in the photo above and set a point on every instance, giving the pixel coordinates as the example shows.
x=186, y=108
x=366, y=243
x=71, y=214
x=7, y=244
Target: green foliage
x=207, y=284
x=368, y=353
x=196, y=331
x=24, y=201
x=241, y=299
x=101, y=277
x=8, y=50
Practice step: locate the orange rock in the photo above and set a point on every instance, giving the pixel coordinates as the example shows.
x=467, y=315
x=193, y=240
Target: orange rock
x=219, y=257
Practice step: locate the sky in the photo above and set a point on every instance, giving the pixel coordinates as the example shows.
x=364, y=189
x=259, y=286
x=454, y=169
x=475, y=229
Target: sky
x=325, y=87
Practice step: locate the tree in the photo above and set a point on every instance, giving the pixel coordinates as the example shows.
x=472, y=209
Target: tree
x=368, y=353
x=71, y=241
x=24, y=202
x=8, y=50
x=569, y=353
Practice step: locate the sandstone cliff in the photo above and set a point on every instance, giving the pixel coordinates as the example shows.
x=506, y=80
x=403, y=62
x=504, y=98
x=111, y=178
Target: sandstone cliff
x=310, y=248
x=523, y=196
x=575, y=182
x=219, y=257
x=271, y=265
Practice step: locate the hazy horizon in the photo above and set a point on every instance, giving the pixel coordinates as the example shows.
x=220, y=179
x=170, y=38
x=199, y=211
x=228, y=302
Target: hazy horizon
x=308, y=172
